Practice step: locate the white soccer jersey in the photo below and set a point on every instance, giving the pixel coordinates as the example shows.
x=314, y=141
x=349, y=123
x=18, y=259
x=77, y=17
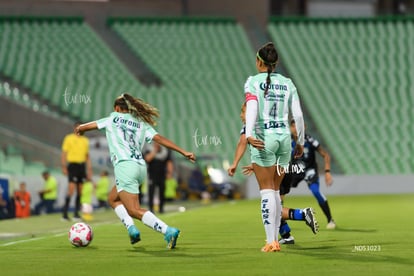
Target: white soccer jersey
x=126, y=136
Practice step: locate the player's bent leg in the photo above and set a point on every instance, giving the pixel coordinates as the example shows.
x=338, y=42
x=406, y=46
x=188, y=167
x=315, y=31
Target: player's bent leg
x=131, y=203
x=314, y=188
x=171, y=236
x=286, y=237
x=149, y=219
x=170, y=233
x=310, y=219
x=123, y=212
x=134, y=234
x=323, y=203
x=113, y=198
x=126, y=219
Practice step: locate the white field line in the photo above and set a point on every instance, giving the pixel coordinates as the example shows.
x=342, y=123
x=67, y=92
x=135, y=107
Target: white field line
x=57, y=234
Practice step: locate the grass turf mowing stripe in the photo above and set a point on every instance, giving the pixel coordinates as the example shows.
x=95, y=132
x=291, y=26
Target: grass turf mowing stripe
x=373, y=238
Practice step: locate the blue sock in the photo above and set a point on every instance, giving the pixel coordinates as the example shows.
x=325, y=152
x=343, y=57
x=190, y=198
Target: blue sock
x=284, y=229
x=297, y=214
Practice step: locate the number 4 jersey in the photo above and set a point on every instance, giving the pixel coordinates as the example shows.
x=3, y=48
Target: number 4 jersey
x=273, y=109
x=126, y=136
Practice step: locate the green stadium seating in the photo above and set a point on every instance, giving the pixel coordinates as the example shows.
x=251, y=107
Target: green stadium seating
x=203, y=64
x=34, y=168
x=354, y=77
x=13, y=164
x=54, y=55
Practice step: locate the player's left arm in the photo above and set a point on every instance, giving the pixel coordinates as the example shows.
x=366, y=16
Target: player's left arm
x=327, y=159
x=171, y=145
x=240, y=149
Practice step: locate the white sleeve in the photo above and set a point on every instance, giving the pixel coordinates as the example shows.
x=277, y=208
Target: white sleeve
x=103, y=123
x=251, y=116
x=299, y=122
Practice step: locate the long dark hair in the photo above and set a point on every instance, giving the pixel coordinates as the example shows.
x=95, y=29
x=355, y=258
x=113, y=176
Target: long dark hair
x=138, y=108
x=268, y=55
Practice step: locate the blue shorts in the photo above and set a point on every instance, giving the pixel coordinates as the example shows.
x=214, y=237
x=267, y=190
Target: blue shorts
x=129, y=175
x=277, y=151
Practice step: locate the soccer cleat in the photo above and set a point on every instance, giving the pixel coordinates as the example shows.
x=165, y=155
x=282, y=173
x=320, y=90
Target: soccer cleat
x=171, y=236
x=288, y=240
x=76, y=219
x=311, y=220
x=331, y=225
x=64, y=219
x=271, y=247
x=134, y=234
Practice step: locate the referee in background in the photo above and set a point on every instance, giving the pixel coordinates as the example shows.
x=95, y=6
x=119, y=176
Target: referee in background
x=76, y=164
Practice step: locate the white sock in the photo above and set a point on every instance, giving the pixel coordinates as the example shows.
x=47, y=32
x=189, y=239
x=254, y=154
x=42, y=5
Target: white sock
x=122, y=214
x=268, y=207
x=278, y=212
x=150, y=220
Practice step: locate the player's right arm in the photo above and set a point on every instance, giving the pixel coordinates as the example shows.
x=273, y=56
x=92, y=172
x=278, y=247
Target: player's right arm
x=86, y=127
x=327, y=159
x=251, y=114
x=240, y=149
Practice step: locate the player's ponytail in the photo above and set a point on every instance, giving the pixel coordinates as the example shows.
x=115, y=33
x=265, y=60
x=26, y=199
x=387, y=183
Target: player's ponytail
x=268, y=55
x=138, y=108
x=269, y=71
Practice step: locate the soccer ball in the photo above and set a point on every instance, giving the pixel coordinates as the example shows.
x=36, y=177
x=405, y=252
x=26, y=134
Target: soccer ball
x=80, y=234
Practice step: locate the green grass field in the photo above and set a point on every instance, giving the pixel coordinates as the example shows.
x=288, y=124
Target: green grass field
x=374, y=237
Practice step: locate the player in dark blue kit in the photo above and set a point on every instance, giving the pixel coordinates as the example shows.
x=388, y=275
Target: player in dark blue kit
x=311, y=175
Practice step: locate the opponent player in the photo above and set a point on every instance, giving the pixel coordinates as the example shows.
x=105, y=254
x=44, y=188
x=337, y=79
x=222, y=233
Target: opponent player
x=311, y=175
x=269, y=97
x=306, y=214
x=127, y=128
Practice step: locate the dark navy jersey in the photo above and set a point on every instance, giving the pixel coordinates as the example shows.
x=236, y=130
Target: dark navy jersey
x=309, y=152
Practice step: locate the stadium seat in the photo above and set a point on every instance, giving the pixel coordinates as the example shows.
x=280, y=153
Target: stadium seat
x=34, y=168
x=50, y=55
x=203, y=64
x=354, y=78
x=14, y=164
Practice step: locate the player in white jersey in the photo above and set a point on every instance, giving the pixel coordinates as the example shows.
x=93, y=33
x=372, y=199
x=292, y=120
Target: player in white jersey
x=127, y=128
x=306, y=214
x=269, y=97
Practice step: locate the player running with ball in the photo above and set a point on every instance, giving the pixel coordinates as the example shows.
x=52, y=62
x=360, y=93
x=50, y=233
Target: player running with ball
x=127, y=128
